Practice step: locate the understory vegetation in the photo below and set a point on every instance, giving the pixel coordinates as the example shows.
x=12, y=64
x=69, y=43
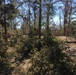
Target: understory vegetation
x=29, y=37
x=52, y=59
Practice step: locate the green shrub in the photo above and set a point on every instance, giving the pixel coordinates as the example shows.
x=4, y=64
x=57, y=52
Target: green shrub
x=51, y=60
x=5, y=65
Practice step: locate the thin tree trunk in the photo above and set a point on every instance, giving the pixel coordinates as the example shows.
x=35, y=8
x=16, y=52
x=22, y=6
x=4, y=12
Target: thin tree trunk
x=29, y=24
x=48, y=20
x=5, y=27
x=70, y=12
x=40, y=27
x=60, y=22
x=65, y=17
x=34, y=18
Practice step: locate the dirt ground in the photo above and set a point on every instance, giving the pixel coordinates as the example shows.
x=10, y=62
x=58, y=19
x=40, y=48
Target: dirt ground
x=71, y=43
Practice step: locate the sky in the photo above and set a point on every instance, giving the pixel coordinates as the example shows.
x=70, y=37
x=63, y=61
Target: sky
x=58, y=13
x=56, y=17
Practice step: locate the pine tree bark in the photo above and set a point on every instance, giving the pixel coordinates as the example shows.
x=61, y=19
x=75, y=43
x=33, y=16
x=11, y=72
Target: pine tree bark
x=65, y=17
x=48, y=20
x=5, y=27
x=40, y=27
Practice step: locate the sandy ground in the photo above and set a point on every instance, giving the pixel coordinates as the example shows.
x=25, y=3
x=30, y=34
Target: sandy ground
x=68, y=39
x=71, y=43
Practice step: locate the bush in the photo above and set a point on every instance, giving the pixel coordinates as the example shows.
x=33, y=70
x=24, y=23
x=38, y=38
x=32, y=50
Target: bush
x=51, y=60
x=5, y=65
x=24, y=49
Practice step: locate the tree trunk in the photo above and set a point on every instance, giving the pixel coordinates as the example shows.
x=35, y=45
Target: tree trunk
x=60, y=21
x=34, y=18
x=29, y=24
x=65, y=17
x=5, y=27
x=48, y=20
x=40, y=27
x=70, y=12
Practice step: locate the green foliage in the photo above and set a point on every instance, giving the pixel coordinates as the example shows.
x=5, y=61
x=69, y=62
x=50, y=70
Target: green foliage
x=5, y=65
x=24, y=48
x=73, y=28
x=33, y=32
x=51, y=60
x=10, y=14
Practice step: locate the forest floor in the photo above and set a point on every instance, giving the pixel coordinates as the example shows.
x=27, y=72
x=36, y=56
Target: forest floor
x=71, y=43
